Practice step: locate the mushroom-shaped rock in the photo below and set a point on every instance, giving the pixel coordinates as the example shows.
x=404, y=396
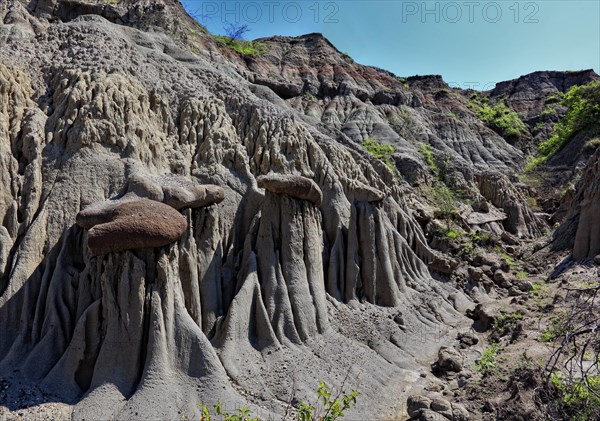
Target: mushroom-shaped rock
x=176, y=191
x=360, y=192
x=129, y=224
x=192, y=196
x=292, y=185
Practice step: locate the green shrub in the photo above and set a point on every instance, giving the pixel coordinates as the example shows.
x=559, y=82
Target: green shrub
x=557, y=327
x=445, y=201
x=380, y=151
x=450, y=233
x=427, y=153
x=403, y=81
x=247, y=48
x=506, y=322
x=522, y=275
x=579, y=399
x=242, y=414
x=483, y=239
x=454, y=116
x=488, y=361
x=509, y=259
x=332, y=408
x=498, y=117
x=532, y=162
x=583, y=112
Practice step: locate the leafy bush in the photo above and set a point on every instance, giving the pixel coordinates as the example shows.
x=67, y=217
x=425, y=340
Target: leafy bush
x=242, y=414
x=403, y=81
x=488, y=361
x=483, y=239
x=380, y=151
x=506, y=322
x=427, y=153
x=579, y=400
x=445, y=201
x=498, y=116
x=449, y=233
x=247, y=48
x=333, y=407
x=557, y=326
x=509, y=259
x=330, y=408
x=583, y=113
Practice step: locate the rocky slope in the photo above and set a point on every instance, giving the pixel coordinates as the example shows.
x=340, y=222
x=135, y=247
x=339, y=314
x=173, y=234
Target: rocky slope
x=185, y=224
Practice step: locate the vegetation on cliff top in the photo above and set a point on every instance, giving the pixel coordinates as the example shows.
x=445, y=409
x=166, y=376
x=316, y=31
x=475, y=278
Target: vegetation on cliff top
x=583, y=114
x=498, y=116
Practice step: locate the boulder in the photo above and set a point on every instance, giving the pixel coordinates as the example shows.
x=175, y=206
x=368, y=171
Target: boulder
x=449, y=359
x=475, y=274
x=502, y=279
x=513, y=292
x=429, y=415
x=526, y=286
x=295, y=186
x=116, y=226
x=416, y=404
x=174, y=190
x=459, y=412
x=468, y=338
x=442, y=406
x=597, y=260
x=442, y=264
x=195, y=196
x=484, y=315
x=509, y=239
x=360, y=192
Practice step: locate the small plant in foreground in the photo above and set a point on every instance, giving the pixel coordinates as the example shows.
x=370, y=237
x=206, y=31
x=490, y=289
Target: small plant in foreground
x=507, y=321
x=241, y=414
x=333, y=407
x=489, y=359
x=330, y=408
x=577, y=399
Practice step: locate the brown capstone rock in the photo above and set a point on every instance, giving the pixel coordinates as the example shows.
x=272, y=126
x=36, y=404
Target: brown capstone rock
x=193, y=196
x=130, y=224
x=292, y=185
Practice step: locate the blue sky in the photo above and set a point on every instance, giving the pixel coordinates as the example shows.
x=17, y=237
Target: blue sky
x=470, y=43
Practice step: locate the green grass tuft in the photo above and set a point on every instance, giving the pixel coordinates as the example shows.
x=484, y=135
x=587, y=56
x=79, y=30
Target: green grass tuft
x=489, y=360
x=247, y=48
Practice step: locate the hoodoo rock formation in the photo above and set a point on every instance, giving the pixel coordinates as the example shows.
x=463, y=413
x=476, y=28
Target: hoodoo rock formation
x=130, y=224
x=292, y=185
x=580, y=229
x=243, y=244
